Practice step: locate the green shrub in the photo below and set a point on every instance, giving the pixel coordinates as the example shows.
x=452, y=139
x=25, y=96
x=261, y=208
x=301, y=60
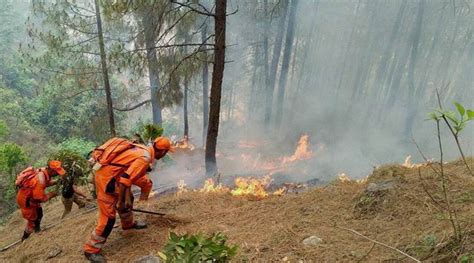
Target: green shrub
x=77, y=145
x=197, y=248
x=11, y=156
x=74, y=164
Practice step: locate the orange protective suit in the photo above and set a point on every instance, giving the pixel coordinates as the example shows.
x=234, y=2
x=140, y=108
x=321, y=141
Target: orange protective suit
x=30, y=197
x=145, y=184
x=134, y=163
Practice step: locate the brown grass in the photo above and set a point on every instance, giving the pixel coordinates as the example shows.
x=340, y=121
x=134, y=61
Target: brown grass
x=272, y=229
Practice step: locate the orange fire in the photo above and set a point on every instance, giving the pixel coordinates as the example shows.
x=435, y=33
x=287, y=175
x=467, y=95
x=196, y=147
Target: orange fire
x=302, y=151
x=250, y=187
x=184, y=144
x=211, y=187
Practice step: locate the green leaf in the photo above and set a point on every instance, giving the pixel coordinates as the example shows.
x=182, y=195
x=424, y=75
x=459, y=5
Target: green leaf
x=460, y=108
x=162, y=255
x=470, y=114
x=451, y=116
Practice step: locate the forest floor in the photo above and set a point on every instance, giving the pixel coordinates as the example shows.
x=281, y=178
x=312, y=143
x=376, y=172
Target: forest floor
x=390, y=206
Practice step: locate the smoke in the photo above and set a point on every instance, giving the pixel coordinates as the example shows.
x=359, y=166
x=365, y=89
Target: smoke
x=362, y=77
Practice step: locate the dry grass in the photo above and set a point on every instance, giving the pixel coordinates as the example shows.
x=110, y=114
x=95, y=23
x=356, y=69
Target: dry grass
x=272, y=229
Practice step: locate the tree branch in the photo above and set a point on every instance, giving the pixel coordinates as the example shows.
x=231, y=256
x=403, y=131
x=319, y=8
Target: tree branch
x=133, y=107
x=380, y=243
x=206, y=12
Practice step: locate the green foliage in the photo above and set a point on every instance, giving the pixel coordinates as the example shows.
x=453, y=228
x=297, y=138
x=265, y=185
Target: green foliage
x=197, y=248
x=147, y=131
x=469, y=258
x=11, y=155
x=457, y=121
x=3, y=130
x=77, y=145
x=75, y=164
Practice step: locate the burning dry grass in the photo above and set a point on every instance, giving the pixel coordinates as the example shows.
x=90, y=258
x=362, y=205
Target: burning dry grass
x=272, y=229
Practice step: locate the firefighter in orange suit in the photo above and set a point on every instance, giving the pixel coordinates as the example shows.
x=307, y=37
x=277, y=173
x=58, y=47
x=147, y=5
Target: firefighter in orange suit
x=113, y=184
x=145, y=184
x=32, y=193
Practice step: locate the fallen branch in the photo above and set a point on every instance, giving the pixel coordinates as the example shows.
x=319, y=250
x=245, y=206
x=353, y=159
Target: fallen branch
x=380, y=243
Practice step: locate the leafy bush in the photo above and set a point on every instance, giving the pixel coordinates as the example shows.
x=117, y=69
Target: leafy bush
x=11, y=156
x=3, y=130
x=197, y=248
x=74, y=164
x=146, y=132
x=77, y=145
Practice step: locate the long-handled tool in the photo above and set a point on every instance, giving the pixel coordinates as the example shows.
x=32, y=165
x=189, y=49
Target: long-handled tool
x=148, y=212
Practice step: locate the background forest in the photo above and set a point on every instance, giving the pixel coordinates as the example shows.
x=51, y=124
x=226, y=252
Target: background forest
x=357, y=76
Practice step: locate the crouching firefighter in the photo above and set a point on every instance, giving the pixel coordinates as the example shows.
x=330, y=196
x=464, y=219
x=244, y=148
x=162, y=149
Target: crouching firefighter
x=32, y=184
x=119, y=163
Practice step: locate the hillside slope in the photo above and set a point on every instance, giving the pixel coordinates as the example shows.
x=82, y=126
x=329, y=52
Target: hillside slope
x=391, y=206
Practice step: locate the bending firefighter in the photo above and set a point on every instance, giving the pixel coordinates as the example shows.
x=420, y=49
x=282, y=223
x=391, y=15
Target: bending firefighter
x=32, y=184
x=119, y=163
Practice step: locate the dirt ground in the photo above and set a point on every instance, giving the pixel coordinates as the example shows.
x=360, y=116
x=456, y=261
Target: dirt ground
x=396, y=210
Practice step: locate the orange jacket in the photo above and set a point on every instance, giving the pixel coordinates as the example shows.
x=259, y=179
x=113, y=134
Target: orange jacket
x=134, y=162
x=35, y=188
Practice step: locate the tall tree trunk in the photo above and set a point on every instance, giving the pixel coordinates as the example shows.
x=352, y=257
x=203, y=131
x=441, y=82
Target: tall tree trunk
x=253, y=87
x=149, y=26
x=274, y=66
x=105, y=73
x=185, y=99
x=290, y=32
x=265, y=53
x=411, y=70
x=216, y=86
x=342, y=74
x=205, y=87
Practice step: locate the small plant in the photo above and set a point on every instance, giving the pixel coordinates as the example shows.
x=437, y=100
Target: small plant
x=197, y=248
x=76, y=165
x=455, y=123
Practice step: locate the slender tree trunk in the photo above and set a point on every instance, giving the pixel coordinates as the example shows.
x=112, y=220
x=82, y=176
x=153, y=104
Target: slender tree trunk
x=342, y=74
x=290, y=32
x=205, y=88
x=149, y=26
x=411, y=70
x=105, y=73
x=185, y=99
x=253, y=88
x=265, y=32
x=216, y=87
x=274, y=66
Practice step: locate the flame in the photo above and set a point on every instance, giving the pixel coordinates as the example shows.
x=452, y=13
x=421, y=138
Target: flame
x=211, y=187
x=343, y=178
x=184, y=144
x=408, y=164
x=252, y=186
x=302, y=151
x=181, y=187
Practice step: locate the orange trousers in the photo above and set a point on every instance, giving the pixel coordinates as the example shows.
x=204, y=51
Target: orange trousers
x=30, y=210
x=145, y=185
x=106, y=200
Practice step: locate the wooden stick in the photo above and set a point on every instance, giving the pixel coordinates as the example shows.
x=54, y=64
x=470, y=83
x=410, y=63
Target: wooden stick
x=380, y=243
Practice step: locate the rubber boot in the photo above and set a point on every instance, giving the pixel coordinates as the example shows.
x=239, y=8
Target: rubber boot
x=95, y=258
